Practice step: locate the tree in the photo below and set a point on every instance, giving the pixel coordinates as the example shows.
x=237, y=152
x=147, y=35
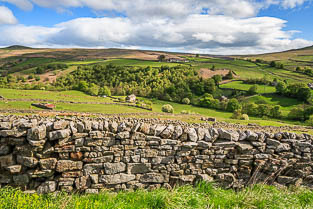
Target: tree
x=209, y=86
x=273, y=64
x=275, y=112
x=296, y=113
x=197, y=55
x=233, y=105
x=253, y=90
x=93, y=89
x=83, y=86
x=281, y=87
x=105, y=91
x=217, y=79
x=229, y=75
x=304, y=94
x=250, y=108
x=161, y=57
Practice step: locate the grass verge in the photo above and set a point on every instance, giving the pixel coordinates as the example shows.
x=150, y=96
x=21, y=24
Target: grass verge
x=204, y=195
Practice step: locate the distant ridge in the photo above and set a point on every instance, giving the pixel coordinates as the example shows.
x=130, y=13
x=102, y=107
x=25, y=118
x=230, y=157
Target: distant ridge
x=17, y=47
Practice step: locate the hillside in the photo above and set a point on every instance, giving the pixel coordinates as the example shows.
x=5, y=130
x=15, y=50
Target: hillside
x=17, y=47
x=246, y=79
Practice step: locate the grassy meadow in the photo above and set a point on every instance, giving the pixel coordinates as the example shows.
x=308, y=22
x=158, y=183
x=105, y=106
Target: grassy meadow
x=77, y=96
x=203, y=195
x=239, y=85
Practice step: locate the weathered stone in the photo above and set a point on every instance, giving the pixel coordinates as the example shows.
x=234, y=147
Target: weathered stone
x=68, y=165
x=5, y=125
x=244, y=147
x=228, y=135
x=113, y=126
x=37, y=133
x=283, y=147
x=61, y=134
x=116, y=178
x=40, y=173
x=5, y=179
x=138, y=168
x=273, y=142
x=178, y=131
x=159, y=129
x=96, y=134
x=12, y=133
x=47, y=187
x=167, y=133
x=204, y=144
x=93, y=168
x=4, y=150
x=152, y=178
x=22, y=179
x=192, y=134
x=14, y=169
x=76, y=156
x=30, y=162
x=48, y=164
x=92, y=191
x=104, y=159
x=61, y=124
x=286, y=180
x=123, y=135
x=113, y=168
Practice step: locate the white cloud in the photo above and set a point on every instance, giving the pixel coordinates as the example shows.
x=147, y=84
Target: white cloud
x=213, y=34
x=152, y=8
x=6, y=16
x=207, y=26
x=22, y=4
x=292, y=3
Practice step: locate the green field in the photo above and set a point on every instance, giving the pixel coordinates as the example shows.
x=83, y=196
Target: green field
x=204, y=195
x=239, y=85
x=77, y=96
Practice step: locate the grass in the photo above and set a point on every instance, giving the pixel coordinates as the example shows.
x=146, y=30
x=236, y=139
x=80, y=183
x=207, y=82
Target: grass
x=77, y=96
x=140, y=63
x=239, y=85
x=204, y=195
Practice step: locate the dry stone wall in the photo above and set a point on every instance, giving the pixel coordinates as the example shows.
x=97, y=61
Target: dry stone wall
x=87, y=155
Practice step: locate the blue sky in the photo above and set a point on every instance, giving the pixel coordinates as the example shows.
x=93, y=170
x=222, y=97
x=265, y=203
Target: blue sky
x=202, y=26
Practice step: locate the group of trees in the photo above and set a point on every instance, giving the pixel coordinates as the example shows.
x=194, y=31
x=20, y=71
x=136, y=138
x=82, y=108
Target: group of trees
x=93, y=89
x=307, y=71
x=165, y=83
x=232, y=105
x=299, y=91
x=50, y=67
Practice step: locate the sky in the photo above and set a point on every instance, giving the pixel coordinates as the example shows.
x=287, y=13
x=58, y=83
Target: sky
x=196, y=26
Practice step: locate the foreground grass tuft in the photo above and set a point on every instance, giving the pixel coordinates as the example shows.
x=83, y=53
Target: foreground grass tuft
x=204, y=195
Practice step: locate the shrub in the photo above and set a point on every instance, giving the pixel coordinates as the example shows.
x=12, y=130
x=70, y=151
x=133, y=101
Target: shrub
x=233, y=105
x=245, y=117
x=296, y=113
x=167, y=108
x=186, y=101
x=253, y=90
x=105, y=91
x=237, y=114
x=37, y=78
